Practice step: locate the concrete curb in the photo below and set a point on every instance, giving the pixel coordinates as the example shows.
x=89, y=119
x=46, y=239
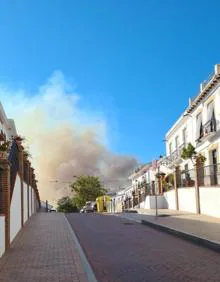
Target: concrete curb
x=213, y=245
x=86, y=266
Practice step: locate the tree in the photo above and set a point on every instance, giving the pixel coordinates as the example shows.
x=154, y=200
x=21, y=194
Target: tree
x=66, y=204
x=78, y=201
x=190, y=153
x=87, y=188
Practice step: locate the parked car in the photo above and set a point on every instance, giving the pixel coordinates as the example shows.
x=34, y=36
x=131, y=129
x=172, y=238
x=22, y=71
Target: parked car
x=52, y=210
x=94, y=206
x=83, y=209
x=89, y=207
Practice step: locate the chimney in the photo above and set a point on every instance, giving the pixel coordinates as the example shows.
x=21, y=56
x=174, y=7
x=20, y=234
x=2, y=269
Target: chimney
x=217, y=69
x=201, y=86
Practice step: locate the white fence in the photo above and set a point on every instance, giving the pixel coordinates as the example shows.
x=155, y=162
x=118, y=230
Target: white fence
x=16, y=211
x=187, y=199
x=209, y=200
x=2, y=235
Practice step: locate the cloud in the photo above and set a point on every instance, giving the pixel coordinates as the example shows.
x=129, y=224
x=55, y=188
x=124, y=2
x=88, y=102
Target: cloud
x=64, y=139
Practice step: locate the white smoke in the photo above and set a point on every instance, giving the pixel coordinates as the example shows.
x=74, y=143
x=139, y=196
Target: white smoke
x=64, y=140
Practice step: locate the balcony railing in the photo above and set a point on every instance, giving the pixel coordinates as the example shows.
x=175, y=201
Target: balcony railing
x=209, y=175
x=174, y=156
x=186, y=178
x=208, y=129
x=14, y=160
x=210, y=126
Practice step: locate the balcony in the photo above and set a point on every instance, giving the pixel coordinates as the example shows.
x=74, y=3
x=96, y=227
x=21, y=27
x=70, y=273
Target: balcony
x=174, y=158
x=208, y=131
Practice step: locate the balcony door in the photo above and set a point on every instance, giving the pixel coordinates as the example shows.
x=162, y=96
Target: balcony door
x=199, y=127
x=211, y=118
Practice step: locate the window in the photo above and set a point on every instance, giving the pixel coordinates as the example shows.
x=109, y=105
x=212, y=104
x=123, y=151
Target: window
x=211, y=118
x=199, y=127
x=210, y=111
x=170, y=148
x=177, y=142
x=184, y=136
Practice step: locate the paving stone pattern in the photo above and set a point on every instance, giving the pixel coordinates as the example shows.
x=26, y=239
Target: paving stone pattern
x=123, y=251
x=43, y=251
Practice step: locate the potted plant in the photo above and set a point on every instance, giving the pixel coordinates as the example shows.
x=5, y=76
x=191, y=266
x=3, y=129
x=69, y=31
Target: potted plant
x=4, y=148
x=189, y=152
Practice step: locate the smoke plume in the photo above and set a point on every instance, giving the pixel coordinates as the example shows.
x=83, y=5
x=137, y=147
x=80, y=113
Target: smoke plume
x=64, y=140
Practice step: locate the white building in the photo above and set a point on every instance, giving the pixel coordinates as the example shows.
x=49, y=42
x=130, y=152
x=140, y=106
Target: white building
x=19, y=197
x=117, y=201
x=197, y=190
x=199, y=125
x=7, y=126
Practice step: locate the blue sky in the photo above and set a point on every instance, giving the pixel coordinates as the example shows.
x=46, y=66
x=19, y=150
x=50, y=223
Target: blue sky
x=138, y=62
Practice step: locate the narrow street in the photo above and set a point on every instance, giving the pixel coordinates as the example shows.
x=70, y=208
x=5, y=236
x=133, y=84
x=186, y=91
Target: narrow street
x=119, y=250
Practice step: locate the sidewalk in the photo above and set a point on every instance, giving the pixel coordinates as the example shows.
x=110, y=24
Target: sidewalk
x=199, y=226
x=43, y=251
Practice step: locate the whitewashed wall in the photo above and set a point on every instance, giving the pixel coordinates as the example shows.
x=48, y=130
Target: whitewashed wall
x=2, y=235
x=25, y=202
x=150, y=202
x=187, y=199
x=170, y=199
x=15, y=209
x=210, y=201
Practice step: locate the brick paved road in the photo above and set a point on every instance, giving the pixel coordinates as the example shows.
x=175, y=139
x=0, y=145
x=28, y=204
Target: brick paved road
x=44, y=251
x=121, y=251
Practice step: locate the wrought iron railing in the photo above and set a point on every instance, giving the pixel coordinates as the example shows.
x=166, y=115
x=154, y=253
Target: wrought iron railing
x=206, y=176
x=186, y=178
x=209, y=175
x=14, y=161
x=175, y=155
x=208, y=128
